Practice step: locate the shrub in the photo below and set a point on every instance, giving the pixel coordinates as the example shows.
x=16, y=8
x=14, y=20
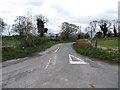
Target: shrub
x=39, y=40
x=86, y=36
x=33, y=41
x=83, y=43
x=27, y=42
x=98, y=34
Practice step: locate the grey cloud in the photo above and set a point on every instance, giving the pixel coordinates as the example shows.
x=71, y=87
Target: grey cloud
x=112, y=11
x=5, y=11
x=109, y=15
x=35, y=3
x=54, y=30
x=82, y=20
x=61, y=10
x=32, y=2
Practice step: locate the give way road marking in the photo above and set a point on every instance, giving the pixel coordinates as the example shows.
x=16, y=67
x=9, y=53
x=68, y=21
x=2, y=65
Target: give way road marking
x=80, y=61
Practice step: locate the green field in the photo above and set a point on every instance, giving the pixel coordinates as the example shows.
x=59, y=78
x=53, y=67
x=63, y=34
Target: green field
x=108, y=43
x=14, y=41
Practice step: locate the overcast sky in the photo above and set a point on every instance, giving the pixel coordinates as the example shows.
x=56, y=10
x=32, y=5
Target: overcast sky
x=79, y=12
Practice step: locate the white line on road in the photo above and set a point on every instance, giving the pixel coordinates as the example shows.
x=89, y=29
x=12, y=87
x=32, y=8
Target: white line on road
x=76, y=62
x=56, y=49
x=16, y=59
x=54, y=60
x=70, y=59
x=77, y=58
x=47, y=64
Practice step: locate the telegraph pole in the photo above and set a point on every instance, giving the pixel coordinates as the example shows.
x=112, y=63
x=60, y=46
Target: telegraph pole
x=80, y=31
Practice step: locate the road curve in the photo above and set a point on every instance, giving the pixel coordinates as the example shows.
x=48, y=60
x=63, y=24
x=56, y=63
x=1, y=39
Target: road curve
x=59, y=67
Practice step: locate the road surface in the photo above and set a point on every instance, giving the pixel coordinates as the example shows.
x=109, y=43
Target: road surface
x=59, y=67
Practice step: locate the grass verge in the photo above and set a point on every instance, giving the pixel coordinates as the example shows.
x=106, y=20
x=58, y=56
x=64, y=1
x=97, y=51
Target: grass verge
x=108, y=42
x=18, y=53
x=111, y=56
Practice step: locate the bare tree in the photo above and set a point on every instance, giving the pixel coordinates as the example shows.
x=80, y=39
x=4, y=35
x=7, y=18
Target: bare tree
x=34, y=30
x=115, y=26
x=8, y=28
x=93, y=24
x=2, y=25
x=22, y=25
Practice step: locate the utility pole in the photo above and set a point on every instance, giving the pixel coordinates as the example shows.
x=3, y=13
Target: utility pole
x=91, y=34
x=80, y=31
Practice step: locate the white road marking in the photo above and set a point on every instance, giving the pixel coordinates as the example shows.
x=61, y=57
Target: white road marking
x=26, y=58
x=47, y=64
x=54, y=60
x=13, y=60
x=76, y=62
x=56, y=49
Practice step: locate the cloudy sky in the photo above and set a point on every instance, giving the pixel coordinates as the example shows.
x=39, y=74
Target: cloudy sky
x=79, y=12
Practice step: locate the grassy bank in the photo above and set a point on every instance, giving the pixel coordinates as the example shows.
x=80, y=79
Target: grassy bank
x=107, y=55
x=18, y=53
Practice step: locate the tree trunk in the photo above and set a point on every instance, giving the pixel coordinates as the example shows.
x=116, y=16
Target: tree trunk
x=115, y=32
x=104, y=33
x=42, y=33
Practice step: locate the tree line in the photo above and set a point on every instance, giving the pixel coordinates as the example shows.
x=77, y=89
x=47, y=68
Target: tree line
x=105, y=26
x=27, y=25
x=68, y=31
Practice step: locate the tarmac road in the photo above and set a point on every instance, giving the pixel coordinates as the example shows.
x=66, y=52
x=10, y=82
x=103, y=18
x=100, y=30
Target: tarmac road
x=59, y=67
